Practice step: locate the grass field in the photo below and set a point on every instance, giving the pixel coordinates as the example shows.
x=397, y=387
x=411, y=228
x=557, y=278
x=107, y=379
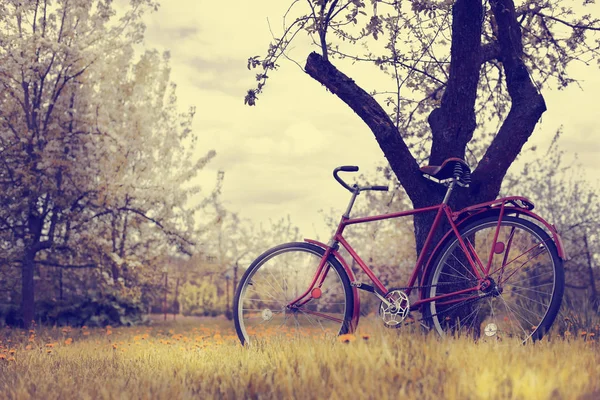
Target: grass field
x=202, y=359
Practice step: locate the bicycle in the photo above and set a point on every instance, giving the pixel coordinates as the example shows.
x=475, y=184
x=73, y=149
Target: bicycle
x=497, y=271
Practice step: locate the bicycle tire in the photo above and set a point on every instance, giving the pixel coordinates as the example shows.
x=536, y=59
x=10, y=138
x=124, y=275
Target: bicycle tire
x=525, y=306
x=260, y=304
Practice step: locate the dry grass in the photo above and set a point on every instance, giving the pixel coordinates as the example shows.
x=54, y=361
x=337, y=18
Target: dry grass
x=196, y=359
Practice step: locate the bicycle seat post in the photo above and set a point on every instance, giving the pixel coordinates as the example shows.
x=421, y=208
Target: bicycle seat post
x=449, y=191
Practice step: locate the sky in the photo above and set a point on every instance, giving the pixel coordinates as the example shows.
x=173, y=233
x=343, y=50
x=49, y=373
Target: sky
x=278, y=156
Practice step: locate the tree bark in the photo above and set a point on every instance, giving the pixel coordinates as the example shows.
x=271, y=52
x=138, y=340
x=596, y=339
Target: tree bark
x=453, y=123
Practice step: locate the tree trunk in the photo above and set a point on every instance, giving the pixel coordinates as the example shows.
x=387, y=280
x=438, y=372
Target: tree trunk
x=453, y=123
x=176, y=300
x=235, y=274
x=28, y=289
x=594, y=301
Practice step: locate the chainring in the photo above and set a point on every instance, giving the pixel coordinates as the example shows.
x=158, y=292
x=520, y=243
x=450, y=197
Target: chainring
x=393, y=315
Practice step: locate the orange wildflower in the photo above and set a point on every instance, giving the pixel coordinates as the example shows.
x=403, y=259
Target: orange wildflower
x=69, y=341
x=2, y=356
x=48, y=351
x=28, y=347
x=347, y=338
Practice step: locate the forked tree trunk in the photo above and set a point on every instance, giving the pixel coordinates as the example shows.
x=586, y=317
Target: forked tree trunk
x=453, y=123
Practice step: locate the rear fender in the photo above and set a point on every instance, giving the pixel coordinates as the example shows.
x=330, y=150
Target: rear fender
x=337, y=257
x=470, y=214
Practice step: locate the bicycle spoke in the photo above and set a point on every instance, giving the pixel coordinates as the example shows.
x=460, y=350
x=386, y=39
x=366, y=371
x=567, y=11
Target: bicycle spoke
x=282, y=290
x=262, y=300
x=530, y=299
x=528, y=279
x=521, y=316
x=266, y=293
x=530, y=289
x=512, y=314
x=464, y=266
x=312, y=319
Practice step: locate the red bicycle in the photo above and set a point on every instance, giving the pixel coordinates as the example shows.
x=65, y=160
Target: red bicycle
x=497, y=271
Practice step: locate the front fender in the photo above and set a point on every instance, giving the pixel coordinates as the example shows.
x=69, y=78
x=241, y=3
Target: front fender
x=355, y=294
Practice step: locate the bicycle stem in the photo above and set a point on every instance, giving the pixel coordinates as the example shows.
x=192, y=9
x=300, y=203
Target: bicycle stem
x=355, y=193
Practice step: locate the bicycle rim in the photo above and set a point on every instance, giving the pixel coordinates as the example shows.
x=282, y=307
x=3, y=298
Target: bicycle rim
x=526, y=269
x=277, y=278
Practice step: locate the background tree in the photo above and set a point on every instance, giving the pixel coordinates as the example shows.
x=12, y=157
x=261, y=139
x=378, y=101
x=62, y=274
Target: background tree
x=96, y=159
x=457, y=67
x=573, y=204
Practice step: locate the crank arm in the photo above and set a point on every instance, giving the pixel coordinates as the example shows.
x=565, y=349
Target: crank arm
x=371, y=289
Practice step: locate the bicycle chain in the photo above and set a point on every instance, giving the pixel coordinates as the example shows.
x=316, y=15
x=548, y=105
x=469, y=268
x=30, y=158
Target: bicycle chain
x=461, y=304
x=428, y=286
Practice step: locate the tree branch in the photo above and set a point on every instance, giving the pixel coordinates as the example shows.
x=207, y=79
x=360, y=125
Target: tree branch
x=69, y=266
x=391, y=143
x=588, y=27
x=526, y=109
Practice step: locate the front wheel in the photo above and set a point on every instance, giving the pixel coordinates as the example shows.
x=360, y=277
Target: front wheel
x=264, y=304
x=522, y=290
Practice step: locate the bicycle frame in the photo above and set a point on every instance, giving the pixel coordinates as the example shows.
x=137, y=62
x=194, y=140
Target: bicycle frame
x=480, y=268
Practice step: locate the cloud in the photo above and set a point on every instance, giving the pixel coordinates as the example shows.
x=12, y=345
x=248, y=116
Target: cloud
x=278, y=156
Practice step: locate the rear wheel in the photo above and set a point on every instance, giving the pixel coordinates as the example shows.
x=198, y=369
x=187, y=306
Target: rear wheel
x=521, y=294
x=263, y=307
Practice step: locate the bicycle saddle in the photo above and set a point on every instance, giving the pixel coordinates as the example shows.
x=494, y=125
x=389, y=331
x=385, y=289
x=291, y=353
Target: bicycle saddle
x=446, y=170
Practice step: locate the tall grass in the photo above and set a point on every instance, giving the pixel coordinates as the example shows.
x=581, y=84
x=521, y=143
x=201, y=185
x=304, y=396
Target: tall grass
x=202, y=361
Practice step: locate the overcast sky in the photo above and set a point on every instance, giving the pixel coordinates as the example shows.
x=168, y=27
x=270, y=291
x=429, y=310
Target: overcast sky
x=278, y=156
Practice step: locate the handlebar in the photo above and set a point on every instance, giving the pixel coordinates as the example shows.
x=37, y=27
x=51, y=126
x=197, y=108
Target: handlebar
x=354, y=188
x=344, y=168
